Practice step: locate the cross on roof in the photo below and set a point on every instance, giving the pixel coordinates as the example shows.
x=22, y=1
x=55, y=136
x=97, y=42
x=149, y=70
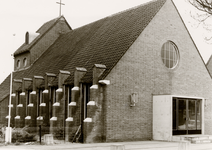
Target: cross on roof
x=60, y=3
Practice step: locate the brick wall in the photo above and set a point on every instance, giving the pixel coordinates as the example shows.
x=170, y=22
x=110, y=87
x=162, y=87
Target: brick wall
x=141, y=70
x=4, y=111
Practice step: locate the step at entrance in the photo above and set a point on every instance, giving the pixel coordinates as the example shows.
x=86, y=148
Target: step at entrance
x=195, y=139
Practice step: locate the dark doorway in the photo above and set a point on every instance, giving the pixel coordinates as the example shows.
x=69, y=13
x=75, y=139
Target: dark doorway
x=186, y=116
x=85, y=92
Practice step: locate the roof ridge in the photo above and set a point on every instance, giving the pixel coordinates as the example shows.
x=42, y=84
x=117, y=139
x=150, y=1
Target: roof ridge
x=55, y=19
x=27, y=47
x=209, y=60
x=120, y=12
x=135, y=7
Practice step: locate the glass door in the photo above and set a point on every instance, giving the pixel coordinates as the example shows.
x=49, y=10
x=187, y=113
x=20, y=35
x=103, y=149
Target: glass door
x=186, y=116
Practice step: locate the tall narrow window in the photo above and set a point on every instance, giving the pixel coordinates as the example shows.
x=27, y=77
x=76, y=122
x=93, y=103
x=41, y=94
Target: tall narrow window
x=50, y=104
x=54, y=95
x=170, y=55
x=52, y=100
x=18, y=64
x=86, y=93
x=25, y=62
x=69, y=93
x=39, y=102
x=18, y=101
x=27, y=100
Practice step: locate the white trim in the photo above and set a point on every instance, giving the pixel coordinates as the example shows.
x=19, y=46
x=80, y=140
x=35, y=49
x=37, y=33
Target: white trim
x=46, y=91
x=43, y=104
x=72, y=104
x=28, y=117
x=95, y=86
x=91, y=103
x=17, y=117
x=10, y=105
x=51, y=74
x=40, y=118
x=23, y=93
x=104, y=82
x=27, y=79
x=88, y=120
x=20, y=105
x=53, y=119
x=69, y=119
x=81, y=69
x=38, y=77
x=13, y=94
x=180, y=96
x=64, y=72
x=8, y=117
x=30, y=105
x=33, y=92
x=76, y=88
x=56, y=104
x=59, y=90
x=100, y=66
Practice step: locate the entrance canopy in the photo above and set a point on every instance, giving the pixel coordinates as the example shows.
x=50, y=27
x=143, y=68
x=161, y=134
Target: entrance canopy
x=177, y=115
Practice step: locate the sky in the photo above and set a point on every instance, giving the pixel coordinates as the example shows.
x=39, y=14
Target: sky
x=20, y=16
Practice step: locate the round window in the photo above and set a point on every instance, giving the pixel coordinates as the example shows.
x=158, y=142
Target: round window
x=170, y=55
x=18, y=64
x=25, y=62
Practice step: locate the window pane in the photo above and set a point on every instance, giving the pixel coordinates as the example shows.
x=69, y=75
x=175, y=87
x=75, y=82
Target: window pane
x=171, y=64
x=191, y=115
x=198, y=109
x=169, y=54
x=167, y=63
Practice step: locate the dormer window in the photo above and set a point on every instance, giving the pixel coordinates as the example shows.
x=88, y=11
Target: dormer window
x=25, y=62
x=18, y=64
x=29, y=37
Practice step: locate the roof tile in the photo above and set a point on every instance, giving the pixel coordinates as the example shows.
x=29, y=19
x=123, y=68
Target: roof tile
x=102, y=42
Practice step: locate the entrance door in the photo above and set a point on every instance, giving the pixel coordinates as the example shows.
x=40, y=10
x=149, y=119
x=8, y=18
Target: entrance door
x=186, y=116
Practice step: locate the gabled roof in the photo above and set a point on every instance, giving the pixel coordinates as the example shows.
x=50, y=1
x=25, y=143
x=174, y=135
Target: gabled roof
x=209, y=65
x=42, y=31
x=102, y=42
x=209, y=60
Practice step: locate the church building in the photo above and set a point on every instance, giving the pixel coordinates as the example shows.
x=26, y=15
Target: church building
x=135, y=75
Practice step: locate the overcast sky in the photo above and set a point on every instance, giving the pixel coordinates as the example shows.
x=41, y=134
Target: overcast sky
x=20, y=16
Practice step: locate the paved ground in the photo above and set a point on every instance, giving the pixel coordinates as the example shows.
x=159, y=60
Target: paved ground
x=143, y=145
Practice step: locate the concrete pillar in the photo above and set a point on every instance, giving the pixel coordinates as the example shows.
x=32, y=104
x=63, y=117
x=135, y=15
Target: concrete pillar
x=26, y=83
x=32, y=109
x=17, y=85
x=13, y=109
x=22, y=109
x=37, y=81
x=57, y=120
x=49, y=77
x=94, y=105
x=73, y=120
x=44, y=107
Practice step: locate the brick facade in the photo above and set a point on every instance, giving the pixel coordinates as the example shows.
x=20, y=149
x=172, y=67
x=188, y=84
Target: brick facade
x=141, y=70
x=4, y=111
x=100, y=106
